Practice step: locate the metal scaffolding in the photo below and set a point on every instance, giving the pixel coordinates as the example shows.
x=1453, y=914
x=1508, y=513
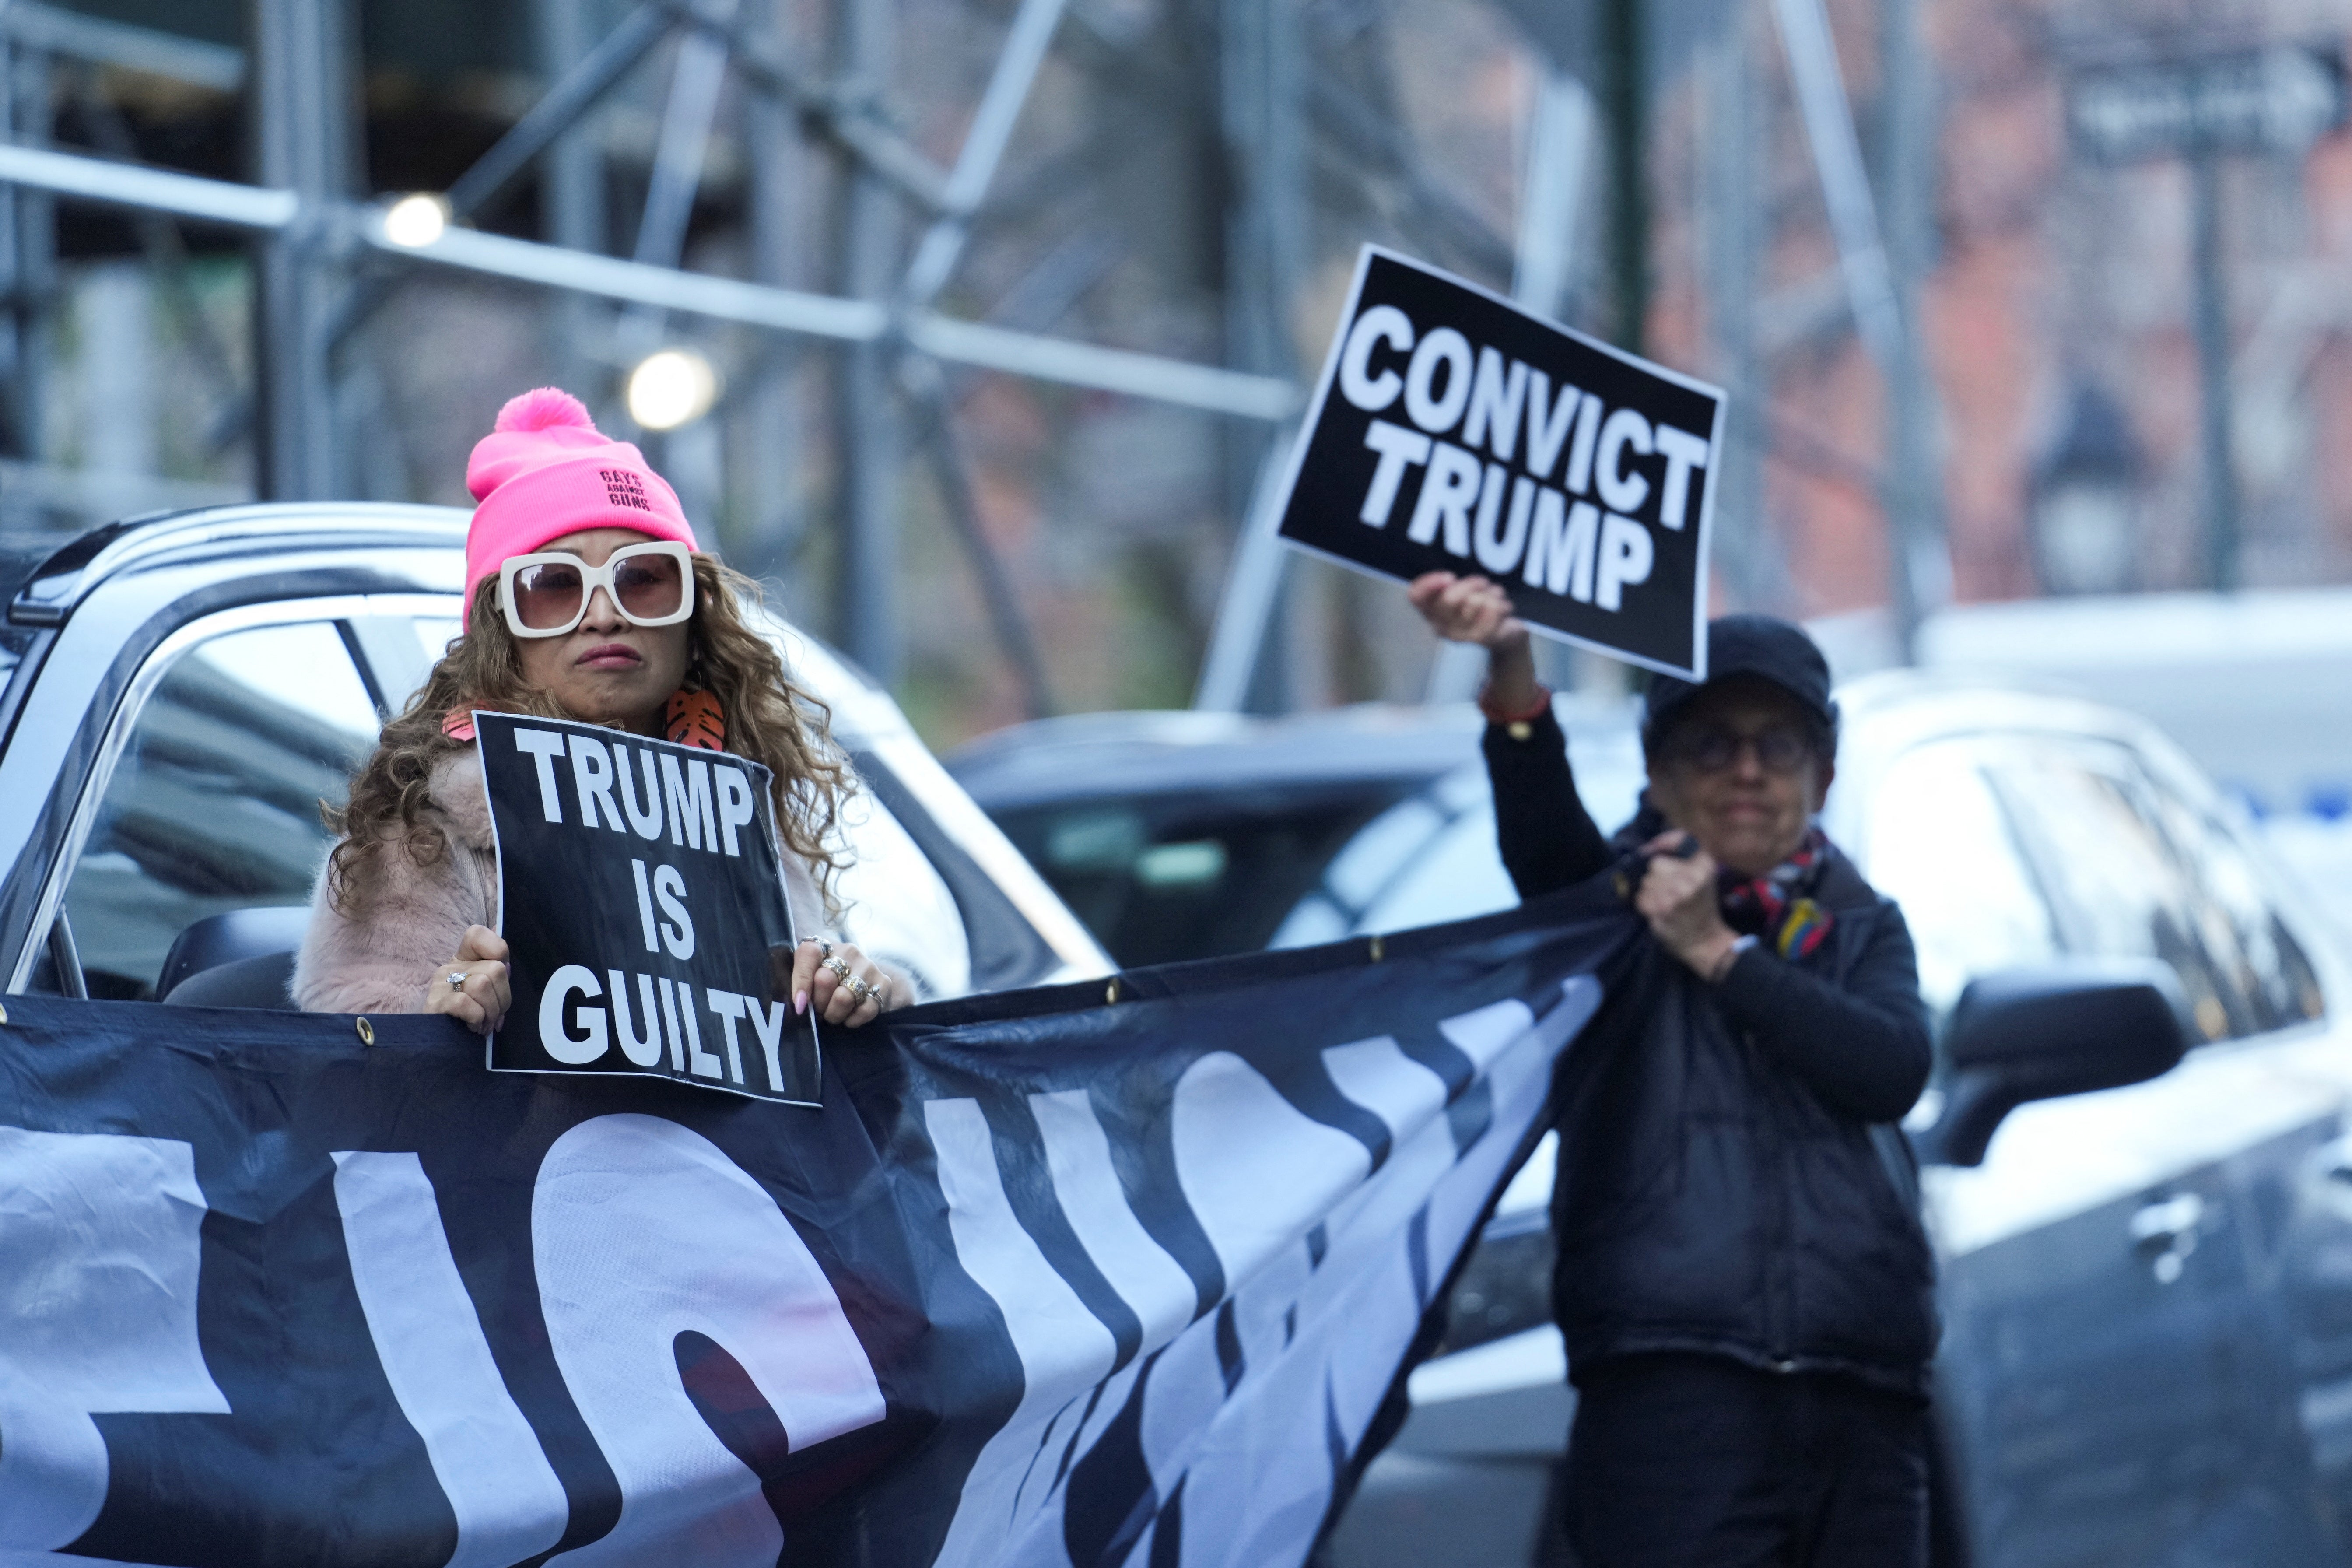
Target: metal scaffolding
x=327, y=255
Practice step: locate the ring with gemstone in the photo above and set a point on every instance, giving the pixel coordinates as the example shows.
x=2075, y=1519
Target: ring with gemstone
x=824, y=948
x=457, y=980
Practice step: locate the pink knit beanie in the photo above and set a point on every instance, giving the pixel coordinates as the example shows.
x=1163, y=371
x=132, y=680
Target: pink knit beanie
x=545, y=472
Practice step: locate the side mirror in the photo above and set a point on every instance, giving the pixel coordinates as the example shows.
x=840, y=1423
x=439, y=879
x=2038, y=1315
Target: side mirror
x=2040, y=1033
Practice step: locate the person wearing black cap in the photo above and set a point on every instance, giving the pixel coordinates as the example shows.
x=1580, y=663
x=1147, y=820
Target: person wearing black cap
x=1743, y=1282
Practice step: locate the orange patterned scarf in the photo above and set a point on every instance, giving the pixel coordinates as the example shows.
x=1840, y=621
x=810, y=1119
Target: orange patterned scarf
x=693, y=719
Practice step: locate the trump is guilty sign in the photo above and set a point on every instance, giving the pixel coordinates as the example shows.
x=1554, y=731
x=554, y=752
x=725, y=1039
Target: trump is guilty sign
x=1453, y=431
x=639, y=895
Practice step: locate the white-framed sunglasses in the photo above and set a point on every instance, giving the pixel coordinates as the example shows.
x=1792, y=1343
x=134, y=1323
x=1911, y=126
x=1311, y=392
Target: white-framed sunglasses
x=547, y=594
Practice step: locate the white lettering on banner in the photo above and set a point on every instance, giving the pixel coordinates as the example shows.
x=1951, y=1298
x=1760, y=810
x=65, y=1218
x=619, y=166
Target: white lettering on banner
x=1236, y=1141
x=729, y=1008
x=644, y=1052
x=1626, y=555
x=643, y=1230
x=1683, y=452
x=1450, y=485
x=690, y=823
x=592, y=776
x=1548, y=422
x=99, y=1251
x=645, y=906
x=1381, y=324
x=1496, y=399
x=644, y=821
x=428, y=1337
x=1443, y=350
x=737, y=803
x=1078, y=1156
x=1398, y=447
x=1560, y=547
x=768, y=1023
x=1062, y=1347
x=544, y=746
x=593, y=1041
x=1499, y=553
x=1579, y=478
x=1620, y=490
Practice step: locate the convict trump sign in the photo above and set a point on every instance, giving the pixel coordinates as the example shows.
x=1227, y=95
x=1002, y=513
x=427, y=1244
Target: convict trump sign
x=1453, y=431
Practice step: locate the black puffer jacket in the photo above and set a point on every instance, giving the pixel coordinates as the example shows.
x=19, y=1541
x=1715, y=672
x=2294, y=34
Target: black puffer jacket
x=1730, y=1181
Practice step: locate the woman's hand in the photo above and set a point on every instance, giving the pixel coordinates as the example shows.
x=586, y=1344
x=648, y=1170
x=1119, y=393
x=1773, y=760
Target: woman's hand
x=842, y=984
x=480, y=998
x=1474, y=609
x=1471, y=609
x=1678, y=898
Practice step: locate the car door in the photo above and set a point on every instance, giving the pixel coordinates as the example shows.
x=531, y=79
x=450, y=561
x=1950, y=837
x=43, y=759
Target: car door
x=2115, y=1372
x=207, y=793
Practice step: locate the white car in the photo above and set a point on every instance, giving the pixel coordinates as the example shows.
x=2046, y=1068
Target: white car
x=178, y=694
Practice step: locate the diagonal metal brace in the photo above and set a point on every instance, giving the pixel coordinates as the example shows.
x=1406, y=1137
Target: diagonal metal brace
x=579, y=90
x=840, y=118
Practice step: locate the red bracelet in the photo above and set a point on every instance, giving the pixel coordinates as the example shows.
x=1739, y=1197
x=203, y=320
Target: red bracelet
x=1534, y=710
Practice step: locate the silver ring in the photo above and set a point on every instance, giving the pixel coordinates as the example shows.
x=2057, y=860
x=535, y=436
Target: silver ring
x=457, y=980
x=824, y=948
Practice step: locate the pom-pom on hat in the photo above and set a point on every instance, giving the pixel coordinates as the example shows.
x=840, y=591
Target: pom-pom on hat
x=546, y=471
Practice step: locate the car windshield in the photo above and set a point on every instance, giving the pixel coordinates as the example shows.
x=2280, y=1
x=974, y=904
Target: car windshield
x=1290, y=862
x=1161, y=877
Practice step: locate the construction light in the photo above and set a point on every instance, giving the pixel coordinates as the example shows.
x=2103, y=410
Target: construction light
x=416, y=221
x=671, y=387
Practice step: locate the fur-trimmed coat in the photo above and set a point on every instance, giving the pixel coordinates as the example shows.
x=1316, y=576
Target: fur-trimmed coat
x=384, y=960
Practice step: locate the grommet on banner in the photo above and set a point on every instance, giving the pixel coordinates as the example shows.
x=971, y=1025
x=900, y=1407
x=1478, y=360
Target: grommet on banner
x=366, y=1029
x=1379, y=950
x=1110, y=992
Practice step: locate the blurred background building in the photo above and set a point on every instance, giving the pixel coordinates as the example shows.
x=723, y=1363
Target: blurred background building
x=1964, y=353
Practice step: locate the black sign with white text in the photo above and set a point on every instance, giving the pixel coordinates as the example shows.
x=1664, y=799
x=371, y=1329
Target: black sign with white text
x=1453, y=431
x=639, y=895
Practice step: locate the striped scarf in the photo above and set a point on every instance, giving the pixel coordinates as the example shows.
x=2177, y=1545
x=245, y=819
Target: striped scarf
x=1778, y=907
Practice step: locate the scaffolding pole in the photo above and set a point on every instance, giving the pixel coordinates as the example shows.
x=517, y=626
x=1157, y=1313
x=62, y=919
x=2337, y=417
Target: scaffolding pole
x=301, y=88
x=866, y=566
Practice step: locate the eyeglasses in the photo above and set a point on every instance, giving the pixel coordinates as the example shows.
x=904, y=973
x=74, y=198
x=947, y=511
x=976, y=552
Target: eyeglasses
x=1712, y=748
x=547, y=594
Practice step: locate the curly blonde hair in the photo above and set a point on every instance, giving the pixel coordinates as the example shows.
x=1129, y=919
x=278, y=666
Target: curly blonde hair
x=769, y=719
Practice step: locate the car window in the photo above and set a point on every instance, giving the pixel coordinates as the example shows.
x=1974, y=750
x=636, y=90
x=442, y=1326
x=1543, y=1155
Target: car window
x=2275, y=976
x=1457, y=874
x=214, y=804
x=1163, y=877
x=1940, y=845
x=2132, y=873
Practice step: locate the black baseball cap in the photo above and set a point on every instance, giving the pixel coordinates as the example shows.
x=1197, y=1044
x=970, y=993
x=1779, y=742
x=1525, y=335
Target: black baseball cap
x=1761, y=648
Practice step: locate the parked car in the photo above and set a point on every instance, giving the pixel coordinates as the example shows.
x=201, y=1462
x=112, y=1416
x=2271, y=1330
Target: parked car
x=179, y=693
x=2139, y=1162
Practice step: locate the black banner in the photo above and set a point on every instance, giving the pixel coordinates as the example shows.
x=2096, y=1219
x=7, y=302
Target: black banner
x=641, y=902
x=1453, y=431
x=1044, y=1282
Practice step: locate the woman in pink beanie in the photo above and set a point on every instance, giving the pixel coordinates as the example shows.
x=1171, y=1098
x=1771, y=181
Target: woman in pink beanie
x=585, y=598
